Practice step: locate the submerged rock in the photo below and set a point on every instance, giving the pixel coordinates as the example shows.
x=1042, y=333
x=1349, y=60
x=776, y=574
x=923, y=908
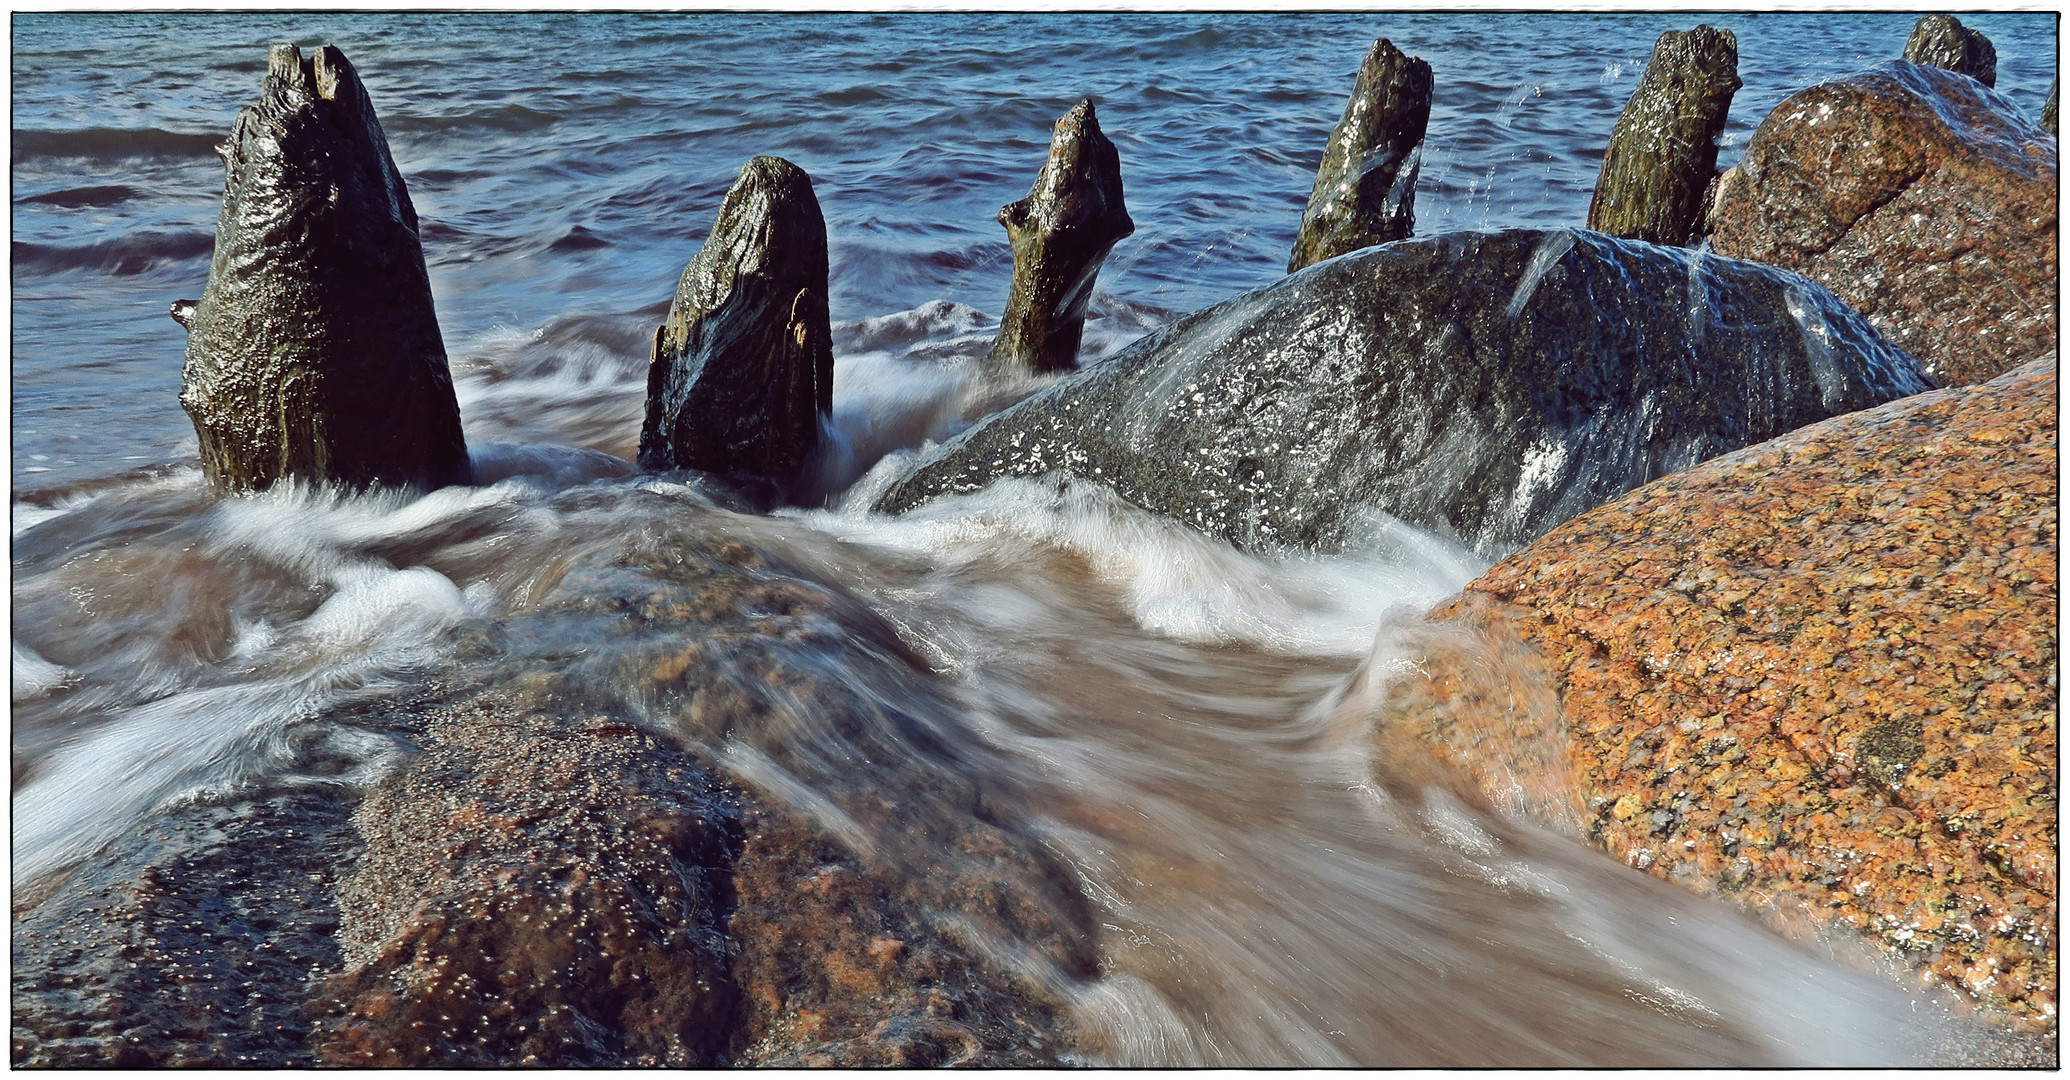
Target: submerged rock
x=314, y=355
x=1942, y=41
x=2048, y=108
x=692, y=809
x=1923, y=199
x=1663, y=154
x=743, y=368
x=1489, y=385
x=1817, y=678
x=1365, y=189
x=1061, y=233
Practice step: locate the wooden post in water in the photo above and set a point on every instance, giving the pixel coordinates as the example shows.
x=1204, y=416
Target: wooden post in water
x=1942, y=41
x=1061, y=234
x=314, y=355
x=1663, y=153
x=744, y=366
x=1365, y=189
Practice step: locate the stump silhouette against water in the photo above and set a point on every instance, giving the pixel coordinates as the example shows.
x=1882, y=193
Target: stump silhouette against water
x=1663, y=154
x=1365, y=189
x=314, y=354
x=743, y=368
x=1942, y=41
x=1061, y=233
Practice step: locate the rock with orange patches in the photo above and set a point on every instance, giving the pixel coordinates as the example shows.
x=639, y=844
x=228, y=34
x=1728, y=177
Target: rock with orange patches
x=1817, y=677
x=1923, y=198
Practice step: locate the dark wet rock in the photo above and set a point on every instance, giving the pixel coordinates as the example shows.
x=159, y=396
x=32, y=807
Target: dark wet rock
x=1365, y=189
x=193, y=941
x=2048, y=108
x=1942, y=41
x=1502, y=383
x=743, y=368
x=1815, y=677
x=1061, y=233
x=1922, y=198
x=314, y=355
x=1663, y=154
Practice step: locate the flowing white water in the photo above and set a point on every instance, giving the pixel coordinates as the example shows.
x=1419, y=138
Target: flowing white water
x=1188, y=725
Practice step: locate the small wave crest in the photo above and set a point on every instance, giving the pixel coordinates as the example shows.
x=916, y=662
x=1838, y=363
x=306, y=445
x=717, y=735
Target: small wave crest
x=126, y=256
x=1173, y=580
x=113, y=144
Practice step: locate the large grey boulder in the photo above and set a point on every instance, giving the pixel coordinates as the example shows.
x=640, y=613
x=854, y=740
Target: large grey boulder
x=314, y=354
x=743, y=368
x=1365, y=188
x=1487, y=385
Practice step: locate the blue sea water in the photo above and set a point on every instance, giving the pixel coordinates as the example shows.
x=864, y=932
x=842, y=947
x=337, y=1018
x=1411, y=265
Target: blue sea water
x=568, y=164
x=1191, y=722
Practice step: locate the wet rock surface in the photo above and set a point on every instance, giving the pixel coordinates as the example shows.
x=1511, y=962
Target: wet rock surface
x=193, y=942
x=1489, y=385
x=1365, y=189
x=1922, y=198
x=685, y=807
x=743, y=368
x=1942, y=41
x=314, y=354
x=537, y=889
x=1815, y=677
x=1061, y=234
x=1663, y=154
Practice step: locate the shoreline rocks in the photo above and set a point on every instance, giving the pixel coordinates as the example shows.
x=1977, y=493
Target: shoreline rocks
x=1663, y=155
x=313, y=355
x=1365, y=188
x=1507, y=382
x=1815, y=677
x=742, y=370
x=1944, y=237
x=1061, y=234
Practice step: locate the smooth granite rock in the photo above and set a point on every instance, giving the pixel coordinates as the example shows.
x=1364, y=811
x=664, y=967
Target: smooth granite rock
x=1942, y=41
x=313, y=355
x=1816, y=677
x=1365, y=189
x=1663, y=154
x=1061, y=234
x=1488, y=385
x=743, y=368
x=1922, y=198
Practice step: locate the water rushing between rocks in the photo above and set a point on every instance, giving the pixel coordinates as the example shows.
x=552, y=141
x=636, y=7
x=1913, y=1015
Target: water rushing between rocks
x=1122, y=772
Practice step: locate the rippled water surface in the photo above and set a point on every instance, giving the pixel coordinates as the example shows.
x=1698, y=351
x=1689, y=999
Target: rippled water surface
x=1185, y=723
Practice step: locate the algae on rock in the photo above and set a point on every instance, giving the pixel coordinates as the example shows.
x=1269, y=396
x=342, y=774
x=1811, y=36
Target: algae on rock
x=1365, y=188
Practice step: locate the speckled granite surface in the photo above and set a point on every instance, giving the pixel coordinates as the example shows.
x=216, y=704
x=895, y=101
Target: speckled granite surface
x=1924, y=199
x=1817, y=676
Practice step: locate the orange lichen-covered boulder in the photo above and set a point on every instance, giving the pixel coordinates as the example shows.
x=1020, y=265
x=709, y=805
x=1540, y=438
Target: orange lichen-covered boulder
x=1817, y=676
x=1923, y=198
